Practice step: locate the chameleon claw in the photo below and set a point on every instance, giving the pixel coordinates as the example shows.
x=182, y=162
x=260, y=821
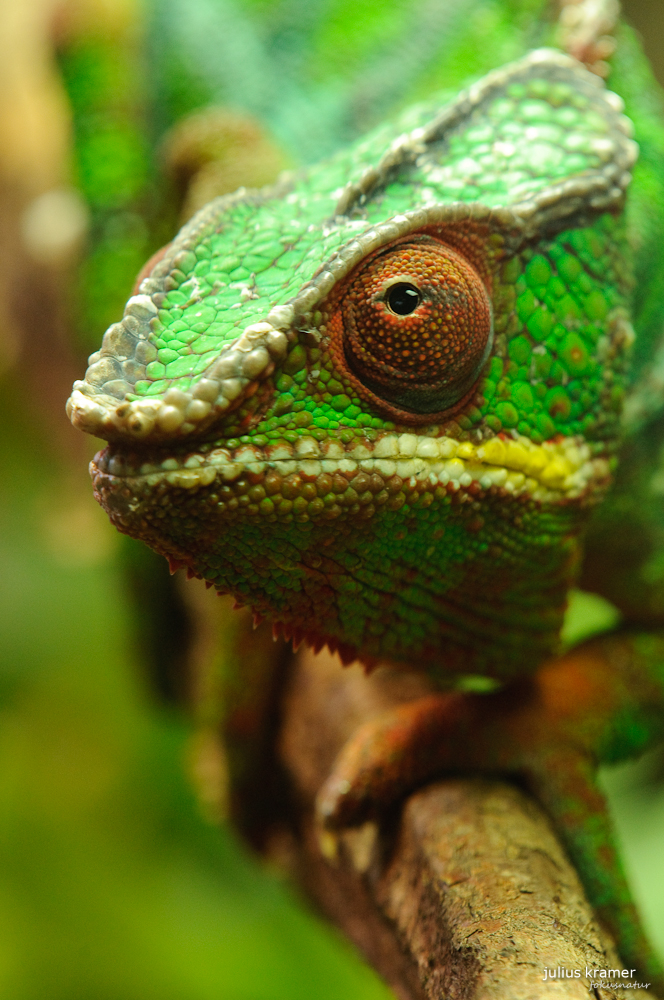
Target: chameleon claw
x=330, y=802
x=360, y=844
x=328, y=844
x=357, y=843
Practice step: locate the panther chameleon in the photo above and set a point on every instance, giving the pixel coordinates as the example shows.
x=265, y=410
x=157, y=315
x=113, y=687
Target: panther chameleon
x=381, y=403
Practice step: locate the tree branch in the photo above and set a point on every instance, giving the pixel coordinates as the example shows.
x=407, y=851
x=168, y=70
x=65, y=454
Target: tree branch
x=462, y=893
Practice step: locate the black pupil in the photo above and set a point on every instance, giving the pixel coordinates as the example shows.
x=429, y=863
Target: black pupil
x=403, y=298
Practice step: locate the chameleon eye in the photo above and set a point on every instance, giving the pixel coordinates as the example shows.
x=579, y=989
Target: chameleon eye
x=415, y=326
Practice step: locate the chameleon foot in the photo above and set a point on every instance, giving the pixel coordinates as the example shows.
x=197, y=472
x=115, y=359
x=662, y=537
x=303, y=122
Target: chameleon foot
x=388, y=757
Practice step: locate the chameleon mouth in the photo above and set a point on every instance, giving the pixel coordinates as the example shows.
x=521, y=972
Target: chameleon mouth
x=562, y=469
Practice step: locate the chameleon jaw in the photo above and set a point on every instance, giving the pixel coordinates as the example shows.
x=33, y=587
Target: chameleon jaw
x=559, y=470
x=315, y=504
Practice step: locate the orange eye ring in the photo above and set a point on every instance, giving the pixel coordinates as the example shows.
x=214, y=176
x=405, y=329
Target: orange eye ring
x=413, y=328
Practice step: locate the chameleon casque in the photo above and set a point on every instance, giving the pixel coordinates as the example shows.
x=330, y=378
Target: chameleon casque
x=381, y=403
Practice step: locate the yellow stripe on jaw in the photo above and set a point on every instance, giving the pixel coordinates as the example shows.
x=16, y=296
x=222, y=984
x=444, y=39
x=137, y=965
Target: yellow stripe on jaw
x=549, y=471
x=553, y=465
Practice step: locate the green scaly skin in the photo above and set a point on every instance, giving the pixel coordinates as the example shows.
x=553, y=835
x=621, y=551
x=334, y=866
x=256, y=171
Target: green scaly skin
x=243, y=445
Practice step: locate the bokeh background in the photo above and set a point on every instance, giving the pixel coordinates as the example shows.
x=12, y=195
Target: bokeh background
x=114, y=885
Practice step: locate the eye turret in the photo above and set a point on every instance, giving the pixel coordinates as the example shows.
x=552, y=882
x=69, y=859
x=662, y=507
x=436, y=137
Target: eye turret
x=414, y=326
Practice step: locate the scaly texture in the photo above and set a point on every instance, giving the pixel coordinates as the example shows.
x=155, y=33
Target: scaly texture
x=389, y=534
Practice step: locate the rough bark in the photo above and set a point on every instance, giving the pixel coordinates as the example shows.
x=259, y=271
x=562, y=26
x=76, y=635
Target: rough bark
x=464, y=892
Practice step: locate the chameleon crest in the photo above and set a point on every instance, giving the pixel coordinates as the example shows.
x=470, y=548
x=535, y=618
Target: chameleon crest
x=378, y=401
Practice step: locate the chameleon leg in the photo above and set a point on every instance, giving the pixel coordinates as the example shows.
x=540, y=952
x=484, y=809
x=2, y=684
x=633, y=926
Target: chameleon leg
x=598, y=702
x=565, y=784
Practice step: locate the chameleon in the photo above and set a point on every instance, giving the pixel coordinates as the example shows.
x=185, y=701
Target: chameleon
x=382, y=403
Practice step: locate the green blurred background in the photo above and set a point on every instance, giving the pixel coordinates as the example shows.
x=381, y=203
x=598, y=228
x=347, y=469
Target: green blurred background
x=114, y=886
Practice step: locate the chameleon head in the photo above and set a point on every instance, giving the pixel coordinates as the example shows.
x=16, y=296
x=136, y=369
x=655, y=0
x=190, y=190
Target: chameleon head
x=377, y=402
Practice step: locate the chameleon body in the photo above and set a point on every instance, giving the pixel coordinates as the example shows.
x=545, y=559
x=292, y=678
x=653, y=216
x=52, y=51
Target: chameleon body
x=380, y=402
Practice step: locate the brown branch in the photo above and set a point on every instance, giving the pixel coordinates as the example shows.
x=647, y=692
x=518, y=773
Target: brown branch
x=462, y=893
